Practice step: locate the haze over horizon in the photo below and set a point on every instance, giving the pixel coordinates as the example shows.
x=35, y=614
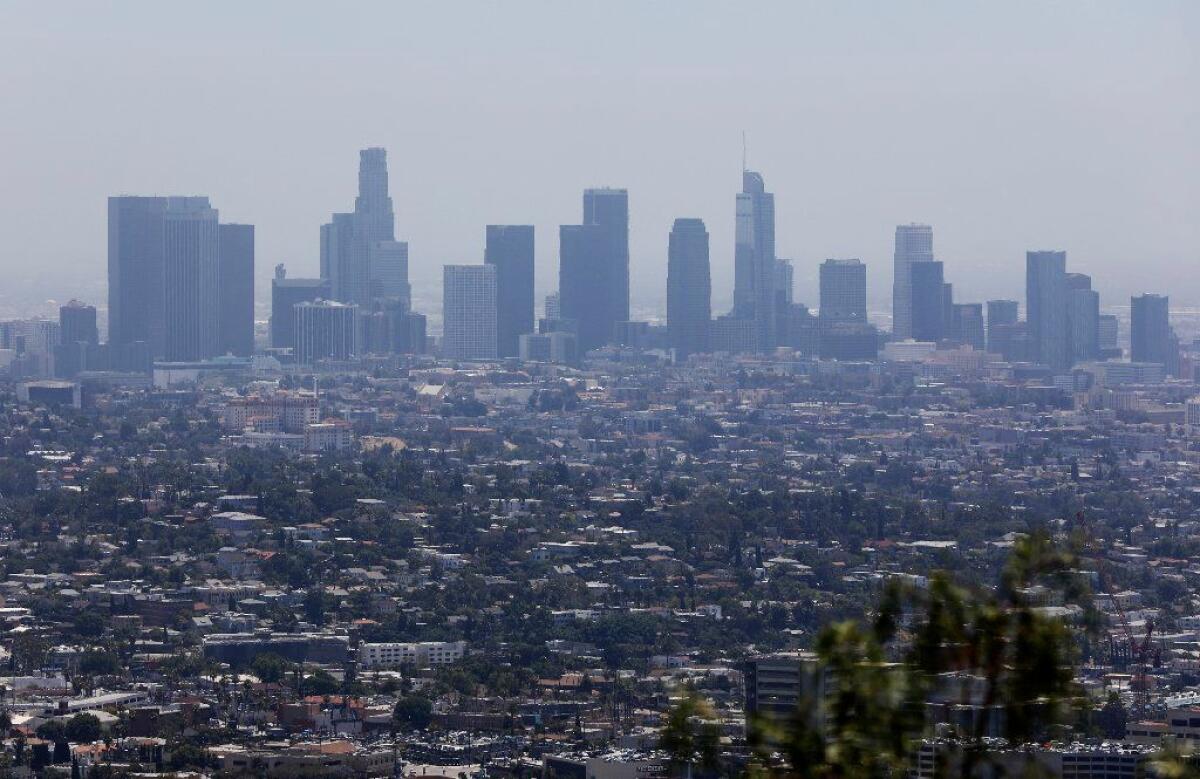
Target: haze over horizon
x=1013, y=127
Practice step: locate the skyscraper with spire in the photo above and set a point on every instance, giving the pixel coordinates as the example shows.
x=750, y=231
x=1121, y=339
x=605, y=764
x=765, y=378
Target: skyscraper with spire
x=350, y=241
x=754, y=266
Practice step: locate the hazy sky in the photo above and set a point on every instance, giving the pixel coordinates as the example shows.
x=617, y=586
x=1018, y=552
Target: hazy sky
x=1006, y=125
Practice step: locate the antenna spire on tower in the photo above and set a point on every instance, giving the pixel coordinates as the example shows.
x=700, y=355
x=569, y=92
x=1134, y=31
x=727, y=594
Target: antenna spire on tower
x=744, y=168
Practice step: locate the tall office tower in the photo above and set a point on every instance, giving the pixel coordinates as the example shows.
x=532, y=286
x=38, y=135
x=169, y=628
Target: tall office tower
x=689, y=288
x=1046, y=307
x=914, y=244
x=925, y=293
x=135, y=271
x=236, y=324
x=785, y=283
x=389, y=272
x=754, y=268
x=843, y=291
x=325, y=330
x=1149, y=329
x=77, y=341
x=349, y=241
x=509, y=248
x=469, y=312
x=191, y=280
x=1083, y=318
x=551, y=308
x=593, y=269
x=1108, y=332
x=968, y=324
x=77, y=323
x=582, y=290
x=999, y=313
x=844, y=332
x=608, y=209
x=285, y=294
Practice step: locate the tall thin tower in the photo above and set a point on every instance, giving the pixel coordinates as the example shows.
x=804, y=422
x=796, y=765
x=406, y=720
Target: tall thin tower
x=754, y=271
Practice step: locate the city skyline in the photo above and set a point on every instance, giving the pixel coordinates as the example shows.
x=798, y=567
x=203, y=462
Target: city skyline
x=1108, y=174
x=187, y=283
x=655, y=390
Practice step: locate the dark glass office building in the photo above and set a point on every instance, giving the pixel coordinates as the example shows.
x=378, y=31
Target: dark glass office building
x=689, y=288
x=509, y=249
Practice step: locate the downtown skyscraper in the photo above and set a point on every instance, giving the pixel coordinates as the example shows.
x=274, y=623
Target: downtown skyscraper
x=1149, y=329
x=593, y=271
x=843, y=291
x=78, y=338
x=236, y=326
x=927, y=293
x=191, y=280
x=469, y=312
x=689, y=288
x=509, y=248
x=165, y=291
x=136, y=262
x=1083, y=318
x=351, y=242
x=754, y=262
x=325, y=330
x=1046, y=307
x=914, y=244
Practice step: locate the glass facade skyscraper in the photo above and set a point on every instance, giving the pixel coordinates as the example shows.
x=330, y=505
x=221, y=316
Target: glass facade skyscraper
x=1046, y=307
x=754, y=266
x=236, y=326
x=914, y=244
x=927, y=296
x=350, y=241
x=689, y=287
x=593, y=273
x=1149, y=329
x=509, y=248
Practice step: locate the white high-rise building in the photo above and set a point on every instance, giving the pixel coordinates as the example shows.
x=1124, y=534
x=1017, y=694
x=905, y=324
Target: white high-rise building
x=914, y=243
x=469, y=312
x=325, y=330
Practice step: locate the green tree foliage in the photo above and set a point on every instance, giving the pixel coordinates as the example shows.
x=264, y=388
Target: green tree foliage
x=17, y=478
x=691, y=736
x=90, y=624
x=1016, y=660
x=83, y=728
x=52, y=730
x=320, y=683
x=269, y=667
x=97, y=662
x=413, y=712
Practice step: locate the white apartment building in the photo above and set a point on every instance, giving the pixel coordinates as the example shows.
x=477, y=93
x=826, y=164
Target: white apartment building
x=420, y=655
